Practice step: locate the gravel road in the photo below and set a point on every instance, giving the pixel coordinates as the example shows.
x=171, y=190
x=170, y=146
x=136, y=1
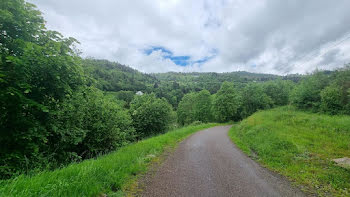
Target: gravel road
x=209, y=164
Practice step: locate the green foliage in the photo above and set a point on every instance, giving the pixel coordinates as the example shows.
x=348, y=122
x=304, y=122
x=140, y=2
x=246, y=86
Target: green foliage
x=227, y=103
x=52, y=115
x=88, y=124
x=278, y=91
x=342, y=79
x=253, y=99
x=195, y=107
x=126, y=96
x=306, y=95
x=173, y=86
x=195, y=123
x=38, y=69
x=112, y=76
x=331, y=100
x=109, y=174
x=185, y=111
x=150, y=115
x=324, y=92
x=202, y=106
x=300, y=146
x=195, y=81
x=20, y=23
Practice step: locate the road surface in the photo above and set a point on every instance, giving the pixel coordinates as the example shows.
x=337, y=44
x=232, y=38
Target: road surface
x=209, y=164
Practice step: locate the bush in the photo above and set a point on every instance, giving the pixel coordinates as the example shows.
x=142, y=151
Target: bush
x=342, y=79
x=278, y=91
x=195, y=123
x=254, y=99
x=88, y=124
x=306, y=95
x=126, y=96
x=37, y=69
x=331, y=100
x=150, y=115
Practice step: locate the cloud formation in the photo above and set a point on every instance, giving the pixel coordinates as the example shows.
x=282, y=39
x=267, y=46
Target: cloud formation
x=269, y=36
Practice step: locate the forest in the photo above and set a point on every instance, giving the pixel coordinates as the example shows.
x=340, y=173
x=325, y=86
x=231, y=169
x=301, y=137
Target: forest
x=58, y=108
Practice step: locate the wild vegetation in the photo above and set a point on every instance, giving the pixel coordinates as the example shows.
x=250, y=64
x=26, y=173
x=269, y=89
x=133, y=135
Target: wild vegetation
x=110, y=174
x=299, y=145
x=58, y=108
x=55, y=108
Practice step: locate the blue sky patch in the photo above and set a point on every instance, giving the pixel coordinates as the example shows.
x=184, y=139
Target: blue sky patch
x=151, y=49
x=178, y=60
x=181, y=60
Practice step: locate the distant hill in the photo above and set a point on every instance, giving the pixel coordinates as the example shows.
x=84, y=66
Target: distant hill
x=112, y=76
x=212, y=81
x=121, y=80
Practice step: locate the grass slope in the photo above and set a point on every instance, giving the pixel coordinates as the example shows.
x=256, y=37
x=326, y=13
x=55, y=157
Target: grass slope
x=300, y=146
x=107, y=174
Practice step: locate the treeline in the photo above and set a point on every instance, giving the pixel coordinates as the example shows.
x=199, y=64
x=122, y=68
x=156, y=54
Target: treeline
x=327, y=92
x=233, y=103
x=322, y=91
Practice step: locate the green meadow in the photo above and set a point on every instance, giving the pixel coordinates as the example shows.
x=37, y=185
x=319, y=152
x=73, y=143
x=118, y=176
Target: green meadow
x=299, y=145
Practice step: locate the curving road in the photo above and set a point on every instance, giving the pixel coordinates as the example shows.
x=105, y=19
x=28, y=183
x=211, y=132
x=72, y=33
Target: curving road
x=209, y=164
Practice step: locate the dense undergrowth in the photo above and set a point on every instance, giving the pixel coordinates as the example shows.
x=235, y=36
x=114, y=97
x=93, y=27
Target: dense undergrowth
x=299, y=145
x=106, y=175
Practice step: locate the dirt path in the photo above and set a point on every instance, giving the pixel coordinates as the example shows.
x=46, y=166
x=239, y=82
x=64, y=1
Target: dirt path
x=209, y=164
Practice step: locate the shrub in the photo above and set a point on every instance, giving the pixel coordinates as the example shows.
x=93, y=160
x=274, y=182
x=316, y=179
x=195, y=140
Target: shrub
x=278, y=91
x=306, y=95
x=150, y=115
x=126, y=96
x=38, y=68
x=331, y=100
x=195, y=123
x=342, y=79
x=89, y=124
x=254, y=99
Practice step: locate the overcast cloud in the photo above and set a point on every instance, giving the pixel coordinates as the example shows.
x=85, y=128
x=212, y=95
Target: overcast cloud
x=268, y=36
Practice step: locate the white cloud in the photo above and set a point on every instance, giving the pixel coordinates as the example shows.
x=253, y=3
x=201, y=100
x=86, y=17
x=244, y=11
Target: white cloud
x=269, y=36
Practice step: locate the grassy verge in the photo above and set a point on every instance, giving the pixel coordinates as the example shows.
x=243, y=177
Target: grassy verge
x=105, y=175
x=300, y=146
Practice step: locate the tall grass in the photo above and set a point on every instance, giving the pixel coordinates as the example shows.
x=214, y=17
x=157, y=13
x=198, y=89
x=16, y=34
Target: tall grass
x=106, y=175
x=300, y=146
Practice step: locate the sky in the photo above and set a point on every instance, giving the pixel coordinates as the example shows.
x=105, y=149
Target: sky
x=263, y=36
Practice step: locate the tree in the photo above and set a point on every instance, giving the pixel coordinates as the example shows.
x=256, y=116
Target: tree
x=126, y=96
x=331, y=100
x=185, y=111
x=38, y=69
x=227, y=103
x=279, y=91
x=306, y=95
x=195, y=107
x=150, y=115
x=89, y=123
x=202, y=106
x=342, y=79
x=253, y=99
